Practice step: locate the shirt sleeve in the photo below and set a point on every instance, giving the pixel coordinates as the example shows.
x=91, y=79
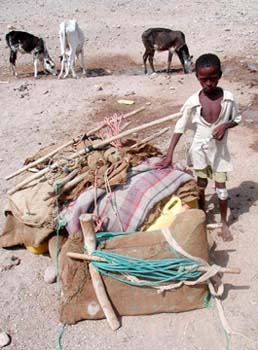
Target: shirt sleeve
x=184, y=122
x=235, y=116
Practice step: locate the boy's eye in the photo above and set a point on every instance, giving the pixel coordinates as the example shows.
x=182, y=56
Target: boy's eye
x=204, y=80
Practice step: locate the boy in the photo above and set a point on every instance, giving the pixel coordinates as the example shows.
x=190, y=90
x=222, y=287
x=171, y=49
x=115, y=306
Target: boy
x=210, y=113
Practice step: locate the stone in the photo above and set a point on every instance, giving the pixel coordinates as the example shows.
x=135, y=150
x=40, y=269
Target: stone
x=7, y=262
x=130, y=92
x=5, y=339
x=252, y=67
x=50, y=274
x=98, y=87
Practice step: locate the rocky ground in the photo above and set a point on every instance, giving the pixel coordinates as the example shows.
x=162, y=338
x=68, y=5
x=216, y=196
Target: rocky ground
x=36, y=113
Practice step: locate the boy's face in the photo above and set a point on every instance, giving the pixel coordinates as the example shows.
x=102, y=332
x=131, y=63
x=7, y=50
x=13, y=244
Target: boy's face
x=208, y=78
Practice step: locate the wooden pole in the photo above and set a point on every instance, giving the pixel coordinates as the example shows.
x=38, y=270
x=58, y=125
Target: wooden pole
x=149, y=138
x=90, y=243
x=59, y=184
x=95, y=146
x=79, y=256
x=38, y=161
x=88, y=257
x=86, y=221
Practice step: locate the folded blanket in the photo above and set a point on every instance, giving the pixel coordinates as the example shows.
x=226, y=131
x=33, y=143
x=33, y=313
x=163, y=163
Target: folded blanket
x=125, y=207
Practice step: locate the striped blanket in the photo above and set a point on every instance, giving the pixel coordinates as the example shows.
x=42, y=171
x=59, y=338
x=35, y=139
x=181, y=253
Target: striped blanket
x=125, y=207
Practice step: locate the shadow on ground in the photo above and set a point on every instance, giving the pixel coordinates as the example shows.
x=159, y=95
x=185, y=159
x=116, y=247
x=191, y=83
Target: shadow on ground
x=241, y=198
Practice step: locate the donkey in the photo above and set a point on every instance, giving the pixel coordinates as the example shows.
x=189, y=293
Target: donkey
x=162, y=39
x=24, y=42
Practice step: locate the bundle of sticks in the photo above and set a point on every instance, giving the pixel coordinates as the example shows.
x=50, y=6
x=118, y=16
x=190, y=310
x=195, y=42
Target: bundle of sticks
x=74, y=176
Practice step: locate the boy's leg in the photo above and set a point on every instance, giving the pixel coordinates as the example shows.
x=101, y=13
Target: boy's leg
x=223, y=206
x=202, y=184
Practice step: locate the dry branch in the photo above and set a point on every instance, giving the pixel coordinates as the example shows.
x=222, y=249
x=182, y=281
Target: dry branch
x=151, y=137
x=40, y=160
x=98, y=285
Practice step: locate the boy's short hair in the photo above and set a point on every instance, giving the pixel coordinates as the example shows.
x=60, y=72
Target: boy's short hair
x=208, y=60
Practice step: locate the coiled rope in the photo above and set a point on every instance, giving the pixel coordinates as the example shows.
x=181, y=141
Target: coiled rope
x=139, y=272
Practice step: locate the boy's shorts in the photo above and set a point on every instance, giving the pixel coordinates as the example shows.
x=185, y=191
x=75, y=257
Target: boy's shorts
x=209, y=173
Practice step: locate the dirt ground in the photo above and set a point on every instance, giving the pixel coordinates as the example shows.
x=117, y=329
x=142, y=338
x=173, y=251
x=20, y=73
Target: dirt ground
x=36, y=113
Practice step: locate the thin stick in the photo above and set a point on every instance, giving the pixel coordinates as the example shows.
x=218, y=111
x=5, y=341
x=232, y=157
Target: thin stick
x=88, y=231
x=79, y=256
x=103, y=298
x=98, y=285
x=61, y=183
x=93, y=147
x=149, y=138
x=125, y=126
x=38, y=161
x=74, y=182
x=214, y=226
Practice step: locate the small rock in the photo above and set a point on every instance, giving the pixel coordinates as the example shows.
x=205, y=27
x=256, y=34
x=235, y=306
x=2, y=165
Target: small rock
x=252, y=67
x=153, y=75
x=45, y=92
x=11, y=27
x=7, y=262
x=128, y=93
x=5, y=339
x=98, y=87
x=50, y=274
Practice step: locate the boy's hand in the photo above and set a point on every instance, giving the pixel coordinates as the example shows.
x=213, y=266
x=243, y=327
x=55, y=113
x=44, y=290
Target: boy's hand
x=219, y=132
x=164, y=163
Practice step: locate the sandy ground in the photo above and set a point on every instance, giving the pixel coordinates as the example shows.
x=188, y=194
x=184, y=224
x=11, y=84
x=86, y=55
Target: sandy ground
x=35, y=113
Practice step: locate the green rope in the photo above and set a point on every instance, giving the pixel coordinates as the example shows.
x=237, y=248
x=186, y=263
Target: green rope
x=151, y=272
x=59, y=345
x=104, y=236
x=227, y=339
x=61, y=224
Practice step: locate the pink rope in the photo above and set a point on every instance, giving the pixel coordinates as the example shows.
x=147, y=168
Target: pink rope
x=112, y=128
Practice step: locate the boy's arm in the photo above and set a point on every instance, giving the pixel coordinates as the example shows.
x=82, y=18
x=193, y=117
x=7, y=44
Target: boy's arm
x=180, y=128
x=219, y=132
x=234, y=120
x=168, y=160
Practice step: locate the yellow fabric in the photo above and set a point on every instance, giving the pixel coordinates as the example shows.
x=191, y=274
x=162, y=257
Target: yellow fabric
x=43, y=248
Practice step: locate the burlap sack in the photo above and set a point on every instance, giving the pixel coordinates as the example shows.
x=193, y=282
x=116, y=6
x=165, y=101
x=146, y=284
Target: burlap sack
x=29, y=219
x=79, y=301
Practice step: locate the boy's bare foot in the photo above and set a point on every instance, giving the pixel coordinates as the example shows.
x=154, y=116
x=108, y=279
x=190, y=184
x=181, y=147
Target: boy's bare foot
x=225, y=233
